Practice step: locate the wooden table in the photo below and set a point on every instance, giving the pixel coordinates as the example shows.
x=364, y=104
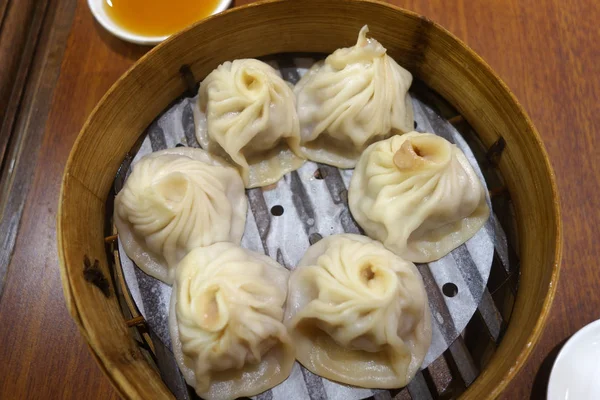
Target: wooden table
x=57, y=63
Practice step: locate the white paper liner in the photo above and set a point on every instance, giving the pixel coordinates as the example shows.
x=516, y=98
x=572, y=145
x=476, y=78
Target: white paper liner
x=320, y=207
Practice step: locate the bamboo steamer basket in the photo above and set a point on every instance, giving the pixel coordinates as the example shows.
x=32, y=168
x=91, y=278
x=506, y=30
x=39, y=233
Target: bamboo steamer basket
x=430, y=52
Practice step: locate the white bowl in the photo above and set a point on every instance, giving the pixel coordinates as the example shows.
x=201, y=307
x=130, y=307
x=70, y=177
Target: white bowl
x=576, y=371
x=99, y=12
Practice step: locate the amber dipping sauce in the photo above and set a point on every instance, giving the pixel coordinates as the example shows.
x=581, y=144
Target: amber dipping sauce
x=158, y=17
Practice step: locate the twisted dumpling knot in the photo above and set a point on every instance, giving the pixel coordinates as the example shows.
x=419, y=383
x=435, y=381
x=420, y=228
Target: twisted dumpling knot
x=238, y=317
x=356, y=287
x=423, y=152
x=355, y=273
x=366, y=50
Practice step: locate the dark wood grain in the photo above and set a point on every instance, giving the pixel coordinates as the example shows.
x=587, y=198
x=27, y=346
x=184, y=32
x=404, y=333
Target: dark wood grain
x=21, y=45
x=18, y=23
x=42, y=353
x=546, y=51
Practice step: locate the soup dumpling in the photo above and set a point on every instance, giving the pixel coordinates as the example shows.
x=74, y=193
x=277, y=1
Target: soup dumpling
x=247, y=114
x=226, y=322
x=174, y=201
x=358, y=313
x=418, y=195
x=357, y=96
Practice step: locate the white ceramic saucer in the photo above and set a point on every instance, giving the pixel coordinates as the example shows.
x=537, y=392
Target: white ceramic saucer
x=99, y=12
x=576, y=371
